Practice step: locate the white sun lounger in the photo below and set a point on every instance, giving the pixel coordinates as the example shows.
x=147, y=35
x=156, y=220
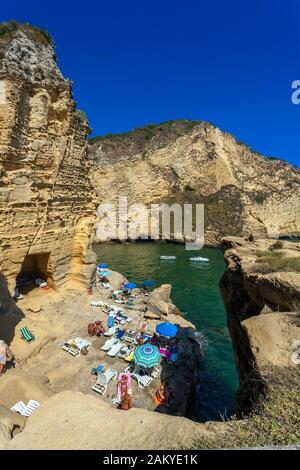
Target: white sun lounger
x=32, y=405
x=76, y=349
x=109, y=344
x=125, y=351
x=155, y=373
x=19, y=407
x=103, y=380
x=115, y=349
x=111, y=331
x=130, y=336
x=142, y=378
x=97, y=303
x=24, y=410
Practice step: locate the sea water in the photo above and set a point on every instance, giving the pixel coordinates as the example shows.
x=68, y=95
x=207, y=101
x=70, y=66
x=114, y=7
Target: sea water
x=195, y=291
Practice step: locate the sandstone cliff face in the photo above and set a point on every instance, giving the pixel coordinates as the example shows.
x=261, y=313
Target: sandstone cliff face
x=263, y=308
x=186, y=161
x=46, y=201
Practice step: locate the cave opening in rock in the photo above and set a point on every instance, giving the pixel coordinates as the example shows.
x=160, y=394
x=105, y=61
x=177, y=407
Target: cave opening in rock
x=35, y=271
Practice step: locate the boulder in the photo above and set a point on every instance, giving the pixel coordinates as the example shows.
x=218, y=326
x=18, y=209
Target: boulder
x=160, y=303
x=10, y=424
x=34, y=308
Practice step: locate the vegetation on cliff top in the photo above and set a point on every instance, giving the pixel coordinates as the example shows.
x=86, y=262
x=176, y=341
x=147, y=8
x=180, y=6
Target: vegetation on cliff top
x=275, y=421
x=271, y=261
x=140, y=134
x=7, y=31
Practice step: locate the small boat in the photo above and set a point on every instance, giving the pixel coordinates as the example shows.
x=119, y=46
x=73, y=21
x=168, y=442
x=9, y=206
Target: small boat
x=198, y=259
x=168, y=258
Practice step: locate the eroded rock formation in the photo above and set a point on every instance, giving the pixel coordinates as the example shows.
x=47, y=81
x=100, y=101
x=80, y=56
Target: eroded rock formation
x=261, y=291
x=46, y=200
x=190, y=161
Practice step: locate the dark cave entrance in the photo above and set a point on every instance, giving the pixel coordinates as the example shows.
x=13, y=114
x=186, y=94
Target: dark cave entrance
x=37, y=266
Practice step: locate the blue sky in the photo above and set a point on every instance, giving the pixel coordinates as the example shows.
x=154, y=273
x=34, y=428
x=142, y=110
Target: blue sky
x=132, y=62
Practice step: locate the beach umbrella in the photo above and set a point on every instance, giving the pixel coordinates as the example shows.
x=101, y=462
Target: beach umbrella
x=167, y=329
x=102, y=265
x=147, y=356
x=130, y=285
x=148, y=283
x=105, y=273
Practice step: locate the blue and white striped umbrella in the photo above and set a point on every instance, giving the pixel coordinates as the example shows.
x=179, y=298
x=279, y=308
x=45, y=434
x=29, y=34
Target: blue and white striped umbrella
x=147, y=356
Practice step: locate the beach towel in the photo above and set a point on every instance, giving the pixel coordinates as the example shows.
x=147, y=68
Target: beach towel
x=110, y=321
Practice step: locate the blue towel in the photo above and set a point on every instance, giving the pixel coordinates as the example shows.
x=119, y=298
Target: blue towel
x=98, y=369
x=110, y=321
x=120, y=334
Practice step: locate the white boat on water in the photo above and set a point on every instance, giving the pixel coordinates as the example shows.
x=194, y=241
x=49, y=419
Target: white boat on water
x=168, y=258
x=198, y=259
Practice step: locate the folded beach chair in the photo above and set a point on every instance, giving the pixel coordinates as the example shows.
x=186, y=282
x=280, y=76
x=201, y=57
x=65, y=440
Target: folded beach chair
x=26, y=335
x=103, y=381
x=109, y=344
x=76, y=346
x=32, y=405
x=19, y=407
x=25, y=410
x=97, y=303
x=115, y=349
x=142, y=378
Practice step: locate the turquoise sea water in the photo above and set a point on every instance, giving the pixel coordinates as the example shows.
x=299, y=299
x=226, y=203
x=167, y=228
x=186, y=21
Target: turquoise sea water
x=196, y=293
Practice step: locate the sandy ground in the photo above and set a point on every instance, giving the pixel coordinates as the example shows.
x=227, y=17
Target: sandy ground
x=62, y=383
x=42, y=368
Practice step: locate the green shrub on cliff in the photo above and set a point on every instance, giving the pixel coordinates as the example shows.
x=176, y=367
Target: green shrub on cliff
x=273, y=422
x=270, y=261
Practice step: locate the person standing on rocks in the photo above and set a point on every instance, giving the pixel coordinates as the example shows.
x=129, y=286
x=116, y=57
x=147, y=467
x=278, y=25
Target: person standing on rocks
x=5, y=355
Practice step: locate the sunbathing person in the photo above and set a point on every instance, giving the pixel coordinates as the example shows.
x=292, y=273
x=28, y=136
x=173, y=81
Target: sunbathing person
x=144, y=326
x=163, y=394
x=5, y=355
x=125, y=393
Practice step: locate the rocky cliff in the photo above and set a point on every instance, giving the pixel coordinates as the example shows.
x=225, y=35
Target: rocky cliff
x=261, y=291
x=46, y=201
x=192, y=161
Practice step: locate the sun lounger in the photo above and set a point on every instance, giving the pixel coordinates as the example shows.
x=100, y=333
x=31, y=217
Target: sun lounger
x=26, y=335
x=103, y=381
x=155, y=373
x=111, y=331
x=125, y=351
x=32, y=405
x=109, y=344
x=142, y=378
x=130, y=336
x=76, y=346
x=97, y=303
x=19, y=407
x=25, y=410
x=104, y=285
x=115, y=349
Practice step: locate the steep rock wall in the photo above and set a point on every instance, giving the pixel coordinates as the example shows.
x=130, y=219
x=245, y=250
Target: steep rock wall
x=195, y=162
x=46, y=201
x=263, y=310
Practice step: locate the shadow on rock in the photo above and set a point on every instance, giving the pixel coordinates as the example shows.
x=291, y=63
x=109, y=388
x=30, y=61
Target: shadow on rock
x=10, y=313
x=182, y=375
